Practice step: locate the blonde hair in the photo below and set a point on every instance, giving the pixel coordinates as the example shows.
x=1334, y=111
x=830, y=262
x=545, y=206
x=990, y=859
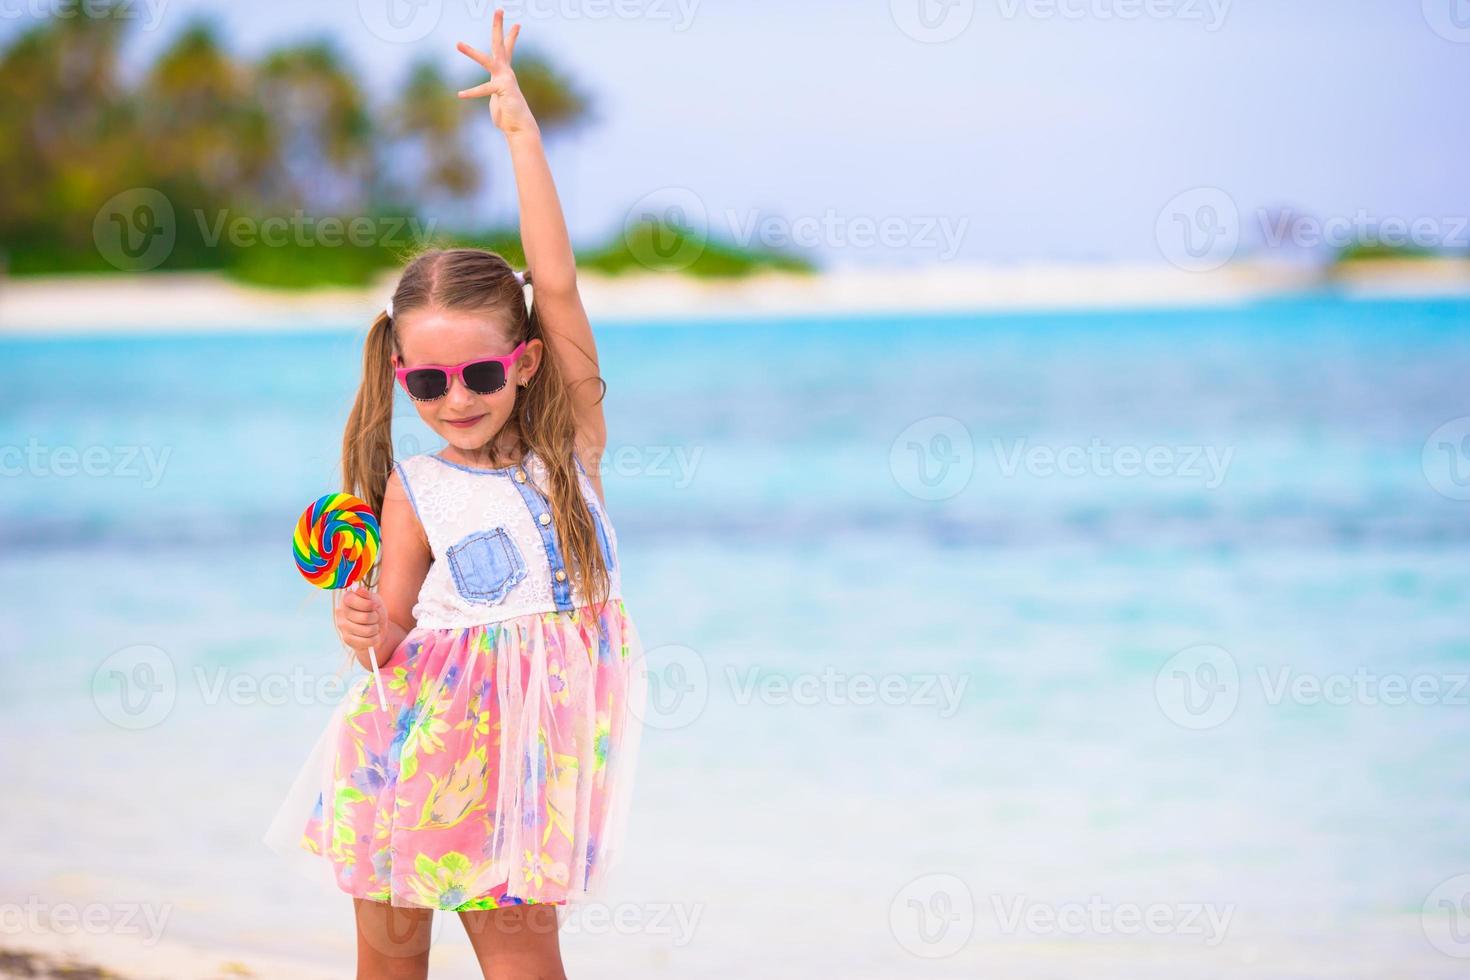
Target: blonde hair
x=477, y=281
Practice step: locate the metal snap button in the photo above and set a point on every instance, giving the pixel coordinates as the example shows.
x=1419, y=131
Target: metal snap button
x=545, y=519
x=561, y=576
x=520, y=476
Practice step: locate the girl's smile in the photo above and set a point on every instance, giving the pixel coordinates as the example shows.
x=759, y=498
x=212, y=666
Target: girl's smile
x=457, y=348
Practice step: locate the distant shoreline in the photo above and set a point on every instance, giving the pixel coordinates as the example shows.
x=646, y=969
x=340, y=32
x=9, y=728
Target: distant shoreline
x=203, y=302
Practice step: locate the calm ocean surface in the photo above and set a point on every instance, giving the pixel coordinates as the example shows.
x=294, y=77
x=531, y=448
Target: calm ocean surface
x=958, y=624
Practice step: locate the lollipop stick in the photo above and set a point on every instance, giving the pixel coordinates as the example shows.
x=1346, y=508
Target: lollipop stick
x=378, y=678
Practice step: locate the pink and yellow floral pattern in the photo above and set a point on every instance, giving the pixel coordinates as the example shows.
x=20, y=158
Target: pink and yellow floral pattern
x=499, y=773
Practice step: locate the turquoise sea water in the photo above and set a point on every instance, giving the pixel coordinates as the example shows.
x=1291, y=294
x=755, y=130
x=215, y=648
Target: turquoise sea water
x=1170, y=689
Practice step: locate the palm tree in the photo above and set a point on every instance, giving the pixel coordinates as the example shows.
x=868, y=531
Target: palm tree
x=325, y=149
x=431, y=121
x=64, y=127
x=202, y=123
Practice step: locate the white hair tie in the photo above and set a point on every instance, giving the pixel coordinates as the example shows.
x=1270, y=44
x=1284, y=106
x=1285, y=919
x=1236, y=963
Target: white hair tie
x=521, y=278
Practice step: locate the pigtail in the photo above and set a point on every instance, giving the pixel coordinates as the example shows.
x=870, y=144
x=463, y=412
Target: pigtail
x=367, y=442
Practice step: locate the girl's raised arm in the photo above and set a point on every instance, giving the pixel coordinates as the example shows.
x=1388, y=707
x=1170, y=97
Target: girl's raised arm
x=545, y=239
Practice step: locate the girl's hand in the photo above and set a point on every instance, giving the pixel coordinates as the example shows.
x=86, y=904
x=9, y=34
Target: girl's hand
x=508, y=109
x=360, y=618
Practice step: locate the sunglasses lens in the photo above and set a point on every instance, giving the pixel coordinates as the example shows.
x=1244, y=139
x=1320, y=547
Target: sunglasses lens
x=427, y=384
x=485, y=378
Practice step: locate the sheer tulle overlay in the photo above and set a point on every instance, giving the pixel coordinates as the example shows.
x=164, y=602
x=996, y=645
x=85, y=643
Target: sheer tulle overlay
x=500, y=773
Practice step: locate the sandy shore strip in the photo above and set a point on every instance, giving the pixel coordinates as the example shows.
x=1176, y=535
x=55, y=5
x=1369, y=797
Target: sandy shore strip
x=81, y=956
x=208, y=302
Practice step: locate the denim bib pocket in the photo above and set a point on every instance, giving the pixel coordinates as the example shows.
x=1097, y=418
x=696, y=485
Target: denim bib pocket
x=486, y=565
x=602, y=541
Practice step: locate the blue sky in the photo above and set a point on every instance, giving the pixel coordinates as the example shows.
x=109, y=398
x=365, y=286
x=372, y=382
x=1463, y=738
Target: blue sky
x=1043, y=129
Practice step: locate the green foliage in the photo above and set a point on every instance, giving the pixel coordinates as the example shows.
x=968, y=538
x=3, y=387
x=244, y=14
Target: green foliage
x=217, y=135
x=228, y=143
x=1376, y=251
x=664, y=247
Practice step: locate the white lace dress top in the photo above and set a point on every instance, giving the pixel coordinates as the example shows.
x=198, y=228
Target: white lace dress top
x=496, y=553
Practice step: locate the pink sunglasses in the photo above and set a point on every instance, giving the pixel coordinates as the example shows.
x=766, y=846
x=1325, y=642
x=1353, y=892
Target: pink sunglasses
x=483, y=375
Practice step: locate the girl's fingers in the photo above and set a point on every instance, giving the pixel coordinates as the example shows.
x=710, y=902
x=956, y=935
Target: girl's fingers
x=357, y=636
x=487, y=88
x=479, y=57
x=510, y=46
x=497, y=34
x=369, y=618
x=359, y=601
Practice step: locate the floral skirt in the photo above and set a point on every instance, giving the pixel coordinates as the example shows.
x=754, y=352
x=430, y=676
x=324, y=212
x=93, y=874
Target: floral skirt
x=498, y=775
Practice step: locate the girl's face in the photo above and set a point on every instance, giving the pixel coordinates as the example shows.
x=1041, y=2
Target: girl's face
x=466, y=420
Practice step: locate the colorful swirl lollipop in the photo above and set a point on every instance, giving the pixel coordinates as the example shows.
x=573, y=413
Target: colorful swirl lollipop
x=335, y=546
x=336, y=541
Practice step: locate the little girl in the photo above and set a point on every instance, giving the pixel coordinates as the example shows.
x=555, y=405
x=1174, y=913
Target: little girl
x=494, y=783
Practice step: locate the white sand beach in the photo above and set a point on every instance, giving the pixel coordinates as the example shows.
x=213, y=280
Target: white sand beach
x=194, y=302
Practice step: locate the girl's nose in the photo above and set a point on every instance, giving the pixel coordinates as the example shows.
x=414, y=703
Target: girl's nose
x=458, y=394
